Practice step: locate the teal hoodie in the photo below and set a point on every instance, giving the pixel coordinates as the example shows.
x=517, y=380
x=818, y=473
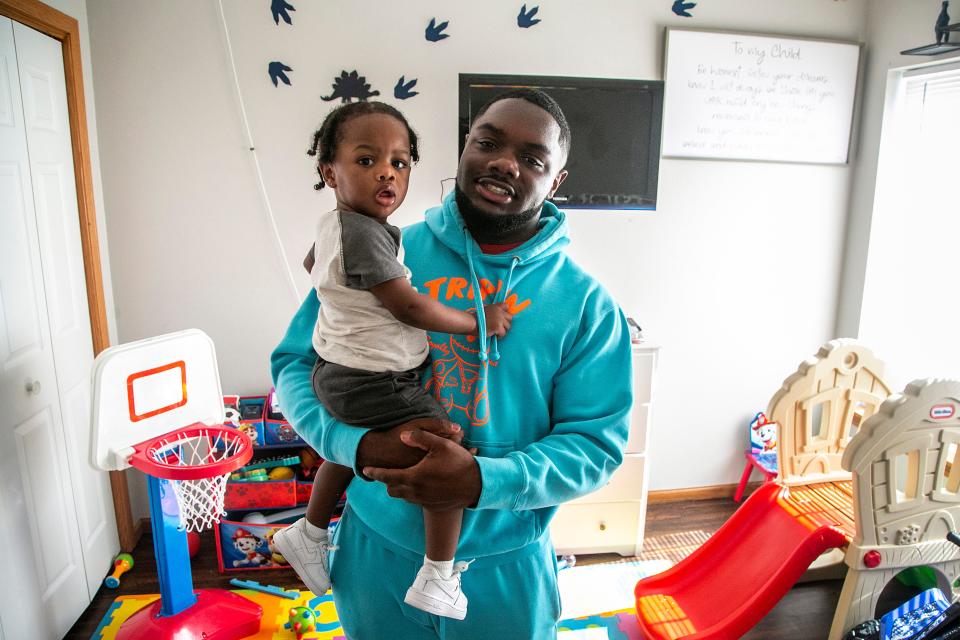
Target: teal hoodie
x=547, y=406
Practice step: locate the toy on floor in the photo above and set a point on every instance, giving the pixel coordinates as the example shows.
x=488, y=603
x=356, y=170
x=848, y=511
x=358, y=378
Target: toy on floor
x=158, y=407
x=762, y=454
x=193, y=543
x=122, y=564
x=888, y=495
x=265, y=588
x=302, y=621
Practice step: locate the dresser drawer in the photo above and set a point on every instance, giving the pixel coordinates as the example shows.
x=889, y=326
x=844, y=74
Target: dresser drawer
x=615, y=527
x=626, y=483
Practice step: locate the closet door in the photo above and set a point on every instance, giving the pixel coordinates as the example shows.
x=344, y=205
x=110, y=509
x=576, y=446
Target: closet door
x=43, y=87
x=44, y=585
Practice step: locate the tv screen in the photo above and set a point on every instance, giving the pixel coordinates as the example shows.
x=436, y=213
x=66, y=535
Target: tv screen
x=615, y=125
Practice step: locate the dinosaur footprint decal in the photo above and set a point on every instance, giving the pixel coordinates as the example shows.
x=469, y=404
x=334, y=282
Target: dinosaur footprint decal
x=279, y=10
x=277, y=71
x=525, y=18
x=682, y=8
x=434, y=32
x=402, y=90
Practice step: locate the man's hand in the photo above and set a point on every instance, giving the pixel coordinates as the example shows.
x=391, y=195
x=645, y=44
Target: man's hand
x=385, y=448
x=446, y=478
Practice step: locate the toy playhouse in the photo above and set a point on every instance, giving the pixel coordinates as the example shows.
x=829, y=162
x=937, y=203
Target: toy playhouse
x=874, y=475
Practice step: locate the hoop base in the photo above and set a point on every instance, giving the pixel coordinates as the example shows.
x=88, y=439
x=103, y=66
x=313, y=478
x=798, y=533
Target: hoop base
x=217, y=615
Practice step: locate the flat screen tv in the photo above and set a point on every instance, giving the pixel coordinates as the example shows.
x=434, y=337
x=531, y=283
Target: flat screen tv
x=615, y=125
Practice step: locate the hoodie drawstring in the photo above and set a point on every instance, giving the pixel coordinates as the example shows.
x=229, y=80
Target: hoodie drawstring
x=494, y=343
x=494, y=348
x=477, y=299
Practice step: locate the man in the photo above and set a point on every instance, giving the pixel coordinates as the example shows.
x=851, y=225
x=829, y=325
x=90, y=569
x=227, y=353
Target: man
x=545, y=408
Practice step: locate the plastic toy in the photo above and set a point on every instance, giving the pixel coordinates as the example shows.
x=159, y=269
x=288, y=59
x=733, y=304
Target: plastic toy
x=158, y=406
x=309, y=462
x=281, y=473
x=231, y=410
x=302, y=621
x=265, y=588
x=122, y=564
x=877, y=476
x=193, y=543
x=915, y=616
x=762, y=454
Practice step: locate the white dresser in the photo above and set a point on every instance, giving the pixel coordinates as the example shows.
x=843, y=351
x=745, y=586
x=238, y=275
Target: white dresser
x=611, y=519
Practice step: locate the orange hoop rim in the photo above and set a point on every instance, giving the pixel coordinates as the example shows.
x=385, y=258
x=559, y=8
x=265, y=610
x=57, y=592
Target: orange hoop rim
x=225, y=435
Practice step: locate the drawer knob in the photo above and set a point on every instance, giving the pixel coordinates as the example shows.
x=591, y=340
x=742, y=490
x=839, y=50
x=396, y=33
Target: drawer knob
x=603, y=526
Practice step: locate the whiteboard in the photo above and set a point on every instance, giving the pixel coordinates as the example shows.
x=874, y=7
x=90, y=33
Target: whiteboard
x=758, y=97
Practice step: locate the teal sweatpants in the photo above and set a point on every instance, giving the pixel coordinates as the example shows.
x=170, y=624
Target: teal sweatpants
x=512, y=596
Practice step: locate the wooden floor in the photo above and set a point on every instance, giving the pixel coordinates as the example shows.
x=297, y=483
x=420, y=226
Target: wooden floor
x=805, y=613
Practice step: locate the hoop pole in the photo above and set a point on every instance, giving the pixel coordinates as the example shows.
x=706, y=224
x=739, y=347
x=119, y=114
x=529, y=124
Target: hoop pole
x=170, y=549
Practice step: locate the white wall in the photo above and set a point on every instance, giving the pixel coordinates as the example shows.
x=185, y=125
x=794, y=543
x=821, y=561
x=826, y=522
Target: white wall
x=736, y=274
x=899, y=294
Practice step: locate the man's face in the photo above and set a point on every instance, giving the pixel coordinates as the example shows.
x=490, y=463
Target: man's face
x=512, y=161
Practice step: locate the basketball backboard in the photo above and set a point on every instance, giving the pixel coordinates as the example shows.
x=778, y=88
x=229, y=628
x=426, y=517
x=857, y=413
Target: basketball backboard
x=147, y=388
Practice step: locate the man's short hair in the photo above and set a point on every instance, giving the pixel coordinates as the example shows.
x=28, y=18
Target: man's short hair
x=542, y=100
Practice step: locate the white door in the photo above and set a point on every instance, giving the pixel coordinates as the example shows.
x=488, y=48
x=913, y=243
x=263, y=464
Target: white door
x=58, y=227
x=55, y=510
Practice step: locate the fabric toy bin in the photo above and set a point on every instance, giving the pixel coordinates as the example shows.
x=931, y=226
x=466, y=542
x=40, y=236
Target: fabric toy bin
x=276, y=429
x=245, y=546
x=268, y=494
x=251, y=410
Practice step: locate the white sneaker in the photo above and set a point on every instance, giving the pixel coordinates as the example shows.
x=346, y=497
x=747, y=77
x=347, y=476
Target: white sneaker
x=307, y=557
x=435, y=594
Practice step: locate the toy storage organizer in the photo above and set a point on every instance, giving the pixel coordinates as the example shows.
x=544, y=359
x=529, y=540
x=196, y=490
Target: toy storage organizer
x=242, y=546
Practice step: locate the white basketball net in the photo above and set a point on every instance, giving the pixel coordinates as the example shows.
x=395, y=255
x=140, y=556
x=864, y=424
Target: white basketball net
x=200, y=501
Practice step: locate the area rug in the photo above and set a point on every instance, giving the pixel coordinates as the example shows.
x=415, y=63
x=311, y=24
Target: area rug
x=597, y=613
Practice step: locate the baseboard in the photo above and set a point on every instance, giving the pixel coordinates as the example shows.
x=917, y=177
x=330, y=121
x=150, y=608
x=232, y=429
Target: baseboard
x=715, y=492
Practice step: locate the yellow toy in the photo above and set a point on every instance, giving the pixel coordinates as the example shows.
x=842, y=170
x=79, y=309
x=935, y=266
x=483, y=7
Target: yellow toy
x=281, y=473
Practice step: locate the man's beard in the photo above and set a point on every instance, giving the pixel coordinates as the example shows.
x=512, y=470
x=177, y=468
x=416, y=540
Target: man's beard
x=486, y=226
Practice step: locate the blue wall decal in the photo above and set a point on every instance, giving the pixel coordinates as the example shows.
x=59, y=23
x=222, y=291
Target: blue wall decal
x=943, y=21
x=681, y=8
x=434, y=32
x=525, y=18
x=348, y=86
x=279, y=10
x=277, y=72
x=402, y=90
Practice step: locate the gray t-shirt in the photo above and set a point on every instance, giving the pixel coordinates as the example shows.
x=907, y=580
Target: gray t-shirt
x=354, y=253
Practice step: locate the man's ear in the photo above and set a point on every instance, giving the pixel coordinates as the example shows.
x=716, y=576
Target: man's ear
x=557, y=182
x=329, y=175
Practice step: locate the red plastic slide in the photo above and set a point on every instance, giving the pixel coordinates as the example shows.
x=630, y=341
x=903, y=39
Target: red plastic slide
x=726, y=586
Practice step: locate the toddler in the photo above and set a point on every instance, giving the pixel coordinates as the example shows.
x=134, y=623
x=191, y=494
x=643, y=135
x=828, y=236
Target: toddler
x=371, y=335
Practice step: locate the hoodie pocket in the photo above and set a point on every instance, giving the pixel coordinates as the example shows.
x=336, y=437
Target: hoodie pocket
x=492, y=448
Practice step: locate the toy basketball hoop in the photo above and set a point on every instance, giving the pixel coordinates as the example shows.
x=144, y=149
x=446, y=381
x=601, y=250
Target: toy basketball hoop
x=197, y=460
x=158, y=407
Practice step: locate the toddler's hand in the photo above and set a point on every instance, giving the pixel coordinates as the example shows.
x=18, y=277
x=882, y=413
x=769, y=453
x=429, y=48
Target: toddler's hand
x=498, y=319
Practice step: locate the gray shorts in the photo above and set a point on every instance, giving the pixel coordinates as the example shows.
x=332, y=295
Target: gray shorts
x=374, y=399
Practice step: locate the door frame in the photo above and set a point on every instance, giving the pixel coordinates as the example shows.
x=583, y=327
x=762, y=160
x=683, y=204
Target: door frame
x=66, y=29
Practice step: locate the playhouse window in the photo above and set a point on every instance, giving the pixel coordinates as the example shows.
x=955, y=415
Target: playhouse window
x=819, y=417
x=859, y=409
x=951, y=469
x=907, y=472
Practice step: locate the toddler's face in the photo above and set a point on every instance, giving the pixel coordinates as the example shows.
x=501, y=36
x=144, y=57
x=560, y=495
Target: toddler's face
x=371, y=169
